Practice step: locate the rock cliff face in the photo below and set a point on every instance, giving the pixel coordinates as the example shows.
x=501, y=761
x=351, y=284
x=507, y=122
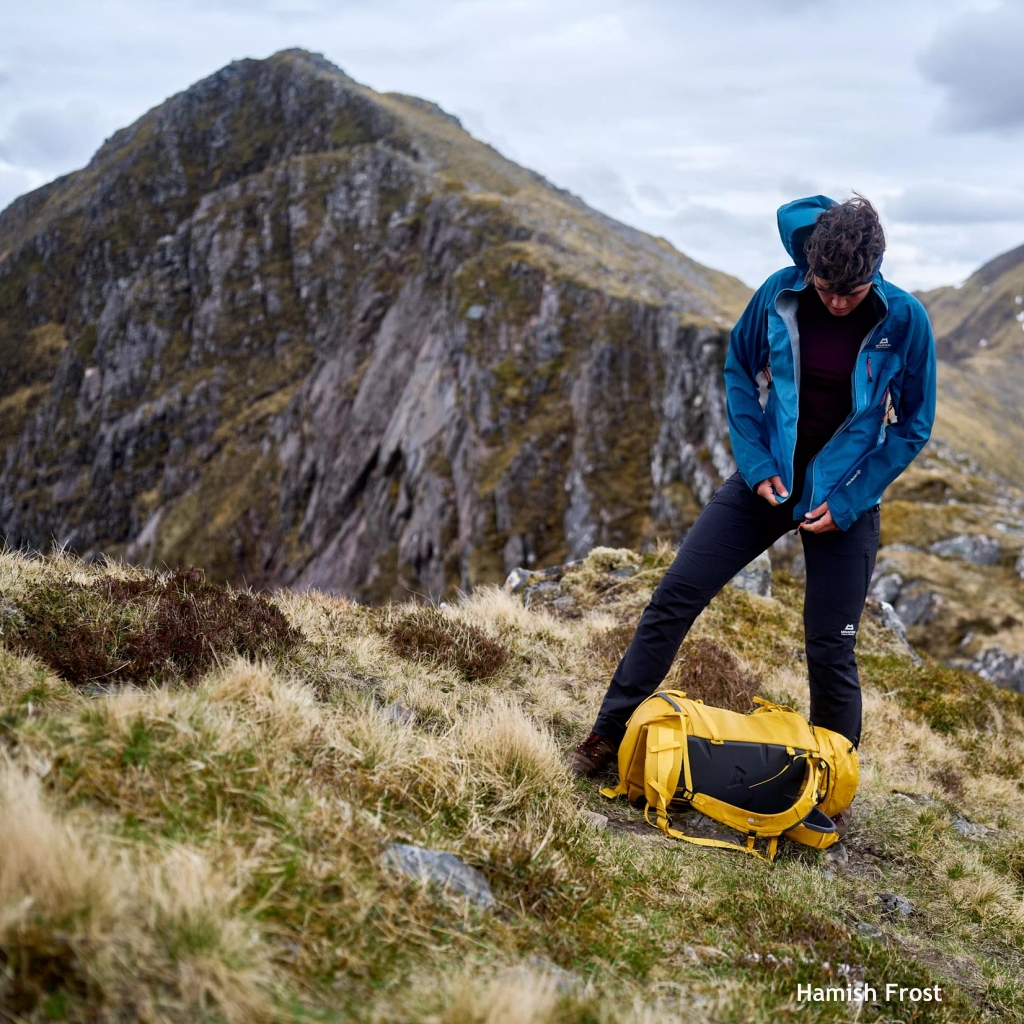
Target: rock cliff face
x=303, y=333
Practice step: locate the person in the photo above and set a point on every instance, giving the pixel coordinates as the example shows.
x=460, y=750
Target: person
x=830, y=394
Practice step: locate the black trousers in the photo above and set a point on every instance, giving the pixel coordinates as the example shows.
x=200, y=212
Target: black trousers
x=734, y=528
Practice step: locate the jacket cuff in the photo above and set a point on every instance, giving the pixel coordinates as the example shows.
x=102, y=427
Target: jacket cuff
x=763, y=470
x=842, y=514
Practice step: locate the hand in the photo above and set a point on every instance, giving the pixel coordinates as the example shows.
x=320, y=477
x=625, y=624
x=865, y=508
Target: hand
x=770, y=487
x=818, y=520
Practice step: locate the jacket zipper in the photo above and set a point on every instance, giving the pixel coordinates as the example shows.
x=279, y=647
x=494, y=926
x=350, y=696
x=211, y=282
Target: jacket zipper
x=793, y=332
x=853, y=412
x=870, y=378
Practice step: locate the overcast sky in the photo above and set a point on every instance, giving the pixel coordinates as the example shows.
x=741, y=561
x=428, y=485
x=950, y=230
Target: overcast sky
x=692, y=119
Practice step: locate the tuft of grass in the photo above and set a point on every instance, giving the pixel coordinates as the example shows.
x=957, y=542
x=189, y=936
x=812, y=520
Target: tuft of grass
x=75, y=913
x=425, y=633
x=144, y=627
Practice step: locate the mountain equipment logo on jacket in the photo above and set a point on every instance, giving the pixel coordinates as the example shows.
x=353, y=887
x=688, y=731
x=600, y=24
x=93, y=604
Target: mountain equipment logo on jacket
x=867, y=451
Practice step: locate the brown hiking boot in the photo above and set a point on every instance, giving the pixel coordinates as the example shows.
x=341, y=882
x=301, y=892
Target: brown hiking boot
x=592, y=756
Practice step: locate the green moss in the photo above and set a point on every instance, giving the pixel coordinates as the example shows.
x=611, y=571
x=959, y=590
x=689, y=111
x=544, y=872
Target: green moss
x=948, y=699
x=213, y=524
x=920, y=524
x=85, y=345
x=502, y=278
x=388, y=583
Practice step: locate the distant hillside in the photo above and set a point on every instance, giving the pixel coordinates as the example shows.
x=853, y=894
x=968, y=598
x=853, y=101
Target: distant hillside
x=979, y=332
x=300, y=332
x=984, y=314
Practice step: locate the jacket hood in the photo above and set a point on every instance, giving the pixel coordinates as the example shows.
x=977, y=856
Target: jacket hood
x=796, y=220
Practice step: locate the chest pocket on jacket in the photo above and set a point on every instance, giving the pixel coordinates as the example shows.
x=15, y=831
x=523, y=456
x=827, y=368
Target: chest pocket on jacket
x=882, y=368
x=883, y=372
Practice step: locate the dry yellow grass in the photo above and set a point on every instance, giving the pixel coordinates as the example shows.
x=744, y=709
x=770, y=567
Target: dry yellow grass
x=214, y=852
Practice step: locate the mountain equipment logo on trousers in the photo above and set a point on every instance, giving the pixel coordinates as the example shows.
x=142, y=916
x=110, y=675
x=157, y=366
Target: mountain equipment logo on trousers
x=849, y=630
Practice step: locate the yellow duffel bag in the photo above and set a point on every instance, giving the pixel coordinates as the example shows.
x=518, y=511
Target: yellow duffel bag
x=766, y=774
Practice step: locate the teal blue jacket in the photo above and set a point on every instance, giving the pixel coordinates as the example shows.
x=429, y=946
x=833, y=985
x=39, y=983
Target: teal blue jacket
x=893, y=387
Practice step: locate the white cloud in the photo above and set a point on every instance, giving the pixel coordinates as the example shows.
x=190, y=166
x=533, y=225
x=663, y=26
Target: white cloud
x=15, y=181
x=978, y=60
x=690, y=121
x=51, y=137
x=955, y=203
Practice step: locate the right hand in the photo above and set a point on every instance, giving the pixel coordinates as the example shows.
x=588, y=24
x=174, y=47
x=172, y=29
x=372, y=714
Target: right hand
x=768, y=489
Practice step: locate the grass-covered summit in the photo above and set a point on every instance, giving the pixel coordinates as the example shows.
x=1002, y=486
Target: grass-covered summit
x=211, y=847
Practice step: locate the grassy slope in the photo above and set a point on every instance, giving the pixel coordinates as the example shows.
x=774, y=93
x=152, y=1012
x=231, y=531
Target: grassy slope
x=980, y=386
x=571, y=239
x=979, y=410
x=212, y=851
x=942, y=494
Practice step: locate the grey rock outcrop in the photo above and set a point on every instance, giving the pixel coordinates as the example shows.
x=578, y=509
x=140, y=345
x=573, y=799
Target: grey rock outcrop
x=885, y=615
x=918, y=607
x=440, y=868
x=887, y=588
x=975, y=548
x=305, y=334
x=756, y=578
x=995, y=665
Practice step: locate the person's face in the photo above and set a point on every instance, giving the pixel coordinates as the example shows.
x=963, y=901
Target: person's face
x=841, y=305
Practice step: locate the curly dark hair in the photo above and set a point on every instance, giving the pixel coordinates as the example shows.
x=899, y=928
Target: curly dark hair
x=846, y=245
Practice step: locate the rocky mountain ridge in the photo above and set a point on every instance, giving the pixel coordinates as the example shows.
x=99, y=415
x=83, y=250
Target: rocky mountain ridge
x=303, y=333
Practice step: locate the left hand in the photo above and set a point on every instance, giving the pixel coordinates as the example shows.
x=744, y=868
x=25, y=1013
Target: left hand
x=818, y=520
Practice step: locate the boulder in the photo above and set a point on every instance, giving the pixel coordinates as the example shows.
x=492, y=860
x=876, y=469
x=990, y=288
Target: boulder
x=887, y=588
x=566, y=606
x=546, y=590
x=919, y=608
x=968, y=829
x=522, y=579
x=437, y=867
x=756, y=578
x=893, y=903
x=400, y=713
x=975, y=548
x=995, y=665
x=517, y=580
x=885, y=615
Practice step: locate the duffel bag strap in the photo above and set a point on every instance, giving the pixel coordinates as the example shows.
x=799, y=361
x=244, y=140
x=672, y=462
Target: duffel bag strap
x=766, y=824
x=721, y=844
x=768, y=705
